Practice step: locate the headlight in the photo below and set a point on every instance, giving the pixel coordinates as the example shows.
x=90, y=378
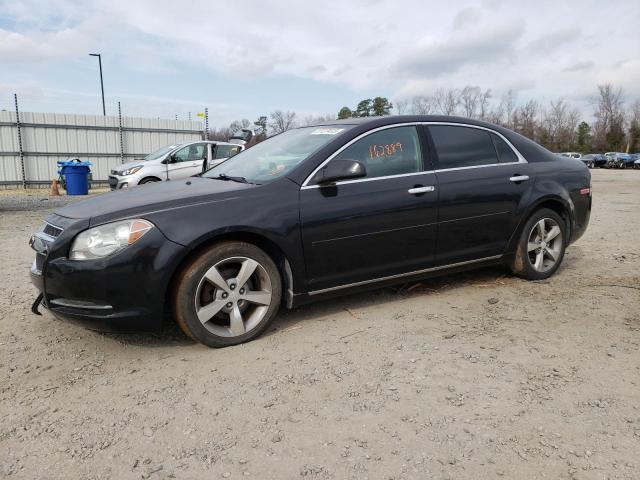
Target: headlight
x=107, y=239
x=131, y=171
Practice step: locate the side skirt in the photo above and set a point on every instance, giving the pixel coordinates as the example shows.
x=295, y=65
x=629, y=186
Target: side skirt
x=374, y=283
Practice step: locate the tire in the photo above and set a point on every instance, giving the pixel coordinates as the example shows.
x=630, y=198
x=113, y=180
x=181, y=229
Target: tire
x=144, y=181
x=591, y=165
x=212, y=306
x=527, y=262
x=622, y=165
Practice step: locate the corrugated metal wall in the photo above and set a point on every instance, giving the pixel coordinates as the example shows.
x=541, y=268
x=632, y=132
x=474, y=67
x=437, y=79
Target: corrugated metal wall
x=49, y=137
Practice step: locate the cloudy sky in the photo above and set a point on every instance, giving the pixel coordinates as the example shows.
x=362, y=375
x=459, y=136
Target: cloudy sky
x=245, y=58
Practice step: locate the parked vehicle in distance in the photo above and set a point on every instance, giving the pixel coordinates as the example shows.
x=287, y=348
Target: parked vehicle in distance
x=636, y=161
x=311, y=213
x=575, y=155
x=618, y=160
x=172, y=162
x=243, y=137
x=594, y=160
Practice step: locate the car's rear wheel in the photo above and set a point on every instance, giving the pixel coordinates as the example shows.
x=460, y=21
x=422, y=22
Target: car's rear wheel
x=227, y=295
x=541, y=246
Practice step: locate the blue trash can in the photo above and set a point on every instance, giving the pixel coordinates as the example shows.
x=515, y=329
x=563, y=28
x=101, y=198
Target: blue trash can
x=76, y=176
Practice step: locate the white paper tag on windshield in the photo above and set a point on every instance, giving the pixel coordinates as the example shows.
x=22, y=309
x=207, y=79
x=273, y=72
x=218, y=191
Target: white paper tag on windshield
x=326, y=131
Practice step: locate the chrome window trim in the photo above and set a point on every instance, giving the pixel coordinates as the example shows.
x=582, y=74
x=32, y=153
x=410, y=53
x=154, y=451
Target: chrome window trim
x=521, y=159
x=400, y=275
x=360, y=180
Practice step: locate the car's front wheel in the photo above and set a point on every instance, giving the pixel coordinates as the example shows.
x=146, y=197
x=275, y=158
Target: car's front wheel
x=148, y=180
x=227, y=295
x=541, y=246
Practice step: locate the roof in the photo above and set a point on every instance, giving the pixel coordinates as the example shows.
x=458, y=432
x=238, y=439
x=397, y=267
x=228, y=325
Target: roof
x=391, y=119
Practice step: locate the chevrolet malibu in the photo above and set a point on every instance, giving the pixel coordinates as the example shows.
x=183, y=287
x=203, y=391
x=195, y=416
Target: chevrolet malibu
x=306, y=215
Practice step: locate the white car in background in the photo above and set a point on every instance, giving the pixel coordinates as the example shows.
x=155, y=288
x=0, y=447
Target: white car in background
x=172, y=162
x=575, y=155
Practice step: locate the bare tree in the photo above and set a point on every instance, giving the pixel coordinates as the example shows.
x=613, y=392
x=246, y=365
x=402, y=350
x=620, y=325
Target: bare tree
x=447, y=101
x=239, y=124
x=281, y=121
x=525, y=119
x=633, y=136
x=470, y=101
x=485, y=104
x=402, y=106
x=609, y=114
x=506, y=108
x=421, y=105
x=559, y=125
x=634, y=112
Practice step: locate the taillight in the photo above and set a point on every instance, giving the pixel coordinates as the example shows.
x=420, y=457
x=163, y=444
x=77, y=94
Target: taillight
x=585, y=191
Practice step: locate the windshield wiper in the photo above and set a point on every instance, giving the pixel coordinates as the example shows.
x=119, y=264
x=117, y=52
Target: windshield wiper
x=224, y=176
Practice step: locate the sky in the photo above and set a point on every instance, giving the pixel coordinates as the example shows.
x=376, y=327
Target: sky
x=242, y=59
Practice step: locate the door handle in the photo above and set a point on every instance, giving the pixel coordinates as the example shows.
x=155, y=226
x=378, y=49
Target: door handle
x=415, y=190
x=519, y=178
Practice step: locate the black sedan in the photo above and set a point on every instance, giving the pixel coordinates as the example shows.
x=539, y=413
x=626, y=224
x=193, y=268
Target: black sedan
x=594, y=160
x=311, y=213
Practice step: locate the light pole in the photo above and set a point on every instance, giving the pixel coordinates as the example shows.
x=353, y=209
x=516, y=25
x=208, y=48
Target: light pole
x=104, y=111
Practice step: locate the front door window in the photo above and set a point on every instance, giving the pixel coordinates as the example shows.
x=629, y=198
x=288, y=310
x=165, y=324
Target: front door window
x=392, y=151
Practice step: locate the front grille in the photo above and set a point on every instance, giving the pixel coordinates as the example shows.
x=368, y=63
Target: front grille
x=52, y=230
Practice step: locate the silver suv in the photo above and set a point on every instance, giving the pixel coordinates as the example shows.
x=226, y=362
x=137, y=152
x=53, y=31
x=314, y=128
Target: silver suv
x=172, y=162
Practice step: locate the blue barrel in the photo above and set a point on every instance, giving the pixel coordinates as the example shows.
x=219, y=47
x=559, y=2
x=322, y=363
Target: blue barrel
x=76, y=176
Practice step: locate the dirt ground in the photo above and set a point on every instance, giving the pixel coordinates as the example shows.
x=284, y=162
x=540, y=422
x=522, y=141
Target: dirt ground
x=473, y=376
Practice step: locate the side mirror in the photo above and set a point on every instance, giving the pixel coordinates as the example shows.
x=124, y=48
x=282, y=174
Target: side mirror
x=337, y=170
x=169, y=159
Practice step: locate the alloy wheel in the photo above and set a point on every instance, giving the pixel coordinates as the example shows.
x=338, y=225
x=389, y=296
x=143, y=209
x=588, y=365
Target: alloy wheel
x=544, y=245
x=233, y=296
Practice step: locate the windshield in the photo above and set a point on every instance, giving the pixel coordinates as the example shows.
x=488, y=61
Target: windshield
x=160, y=153
x=277, y=155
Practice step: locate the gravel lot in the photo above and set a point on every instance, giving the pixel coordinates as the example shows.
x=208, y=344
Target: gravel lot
x=478, y=375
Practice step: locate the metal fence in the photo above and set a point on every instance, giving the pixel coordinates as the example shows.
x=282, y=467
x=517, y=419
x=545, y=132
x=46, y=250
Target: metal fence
x=30, y=147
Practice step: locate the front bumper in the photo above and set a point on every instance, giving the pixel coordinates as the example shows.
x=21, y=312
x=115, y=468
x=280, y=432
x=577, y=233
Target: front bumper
x=117, y=183
x=122, y=292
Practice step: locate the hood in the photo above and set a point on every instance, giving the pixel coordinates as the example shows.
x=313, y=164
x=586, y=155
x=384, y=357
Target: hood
x=123, y=166
x=156, y=196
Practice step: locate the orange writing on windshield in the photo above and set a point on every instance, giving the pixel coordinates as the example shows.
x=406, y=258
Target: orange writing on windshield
x=377, y=151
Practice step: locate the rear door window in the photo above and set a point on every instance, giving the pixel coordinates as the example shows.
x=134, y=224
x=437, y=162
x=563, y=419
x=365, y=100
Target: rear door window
x=505, y=152
x=462, y=146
